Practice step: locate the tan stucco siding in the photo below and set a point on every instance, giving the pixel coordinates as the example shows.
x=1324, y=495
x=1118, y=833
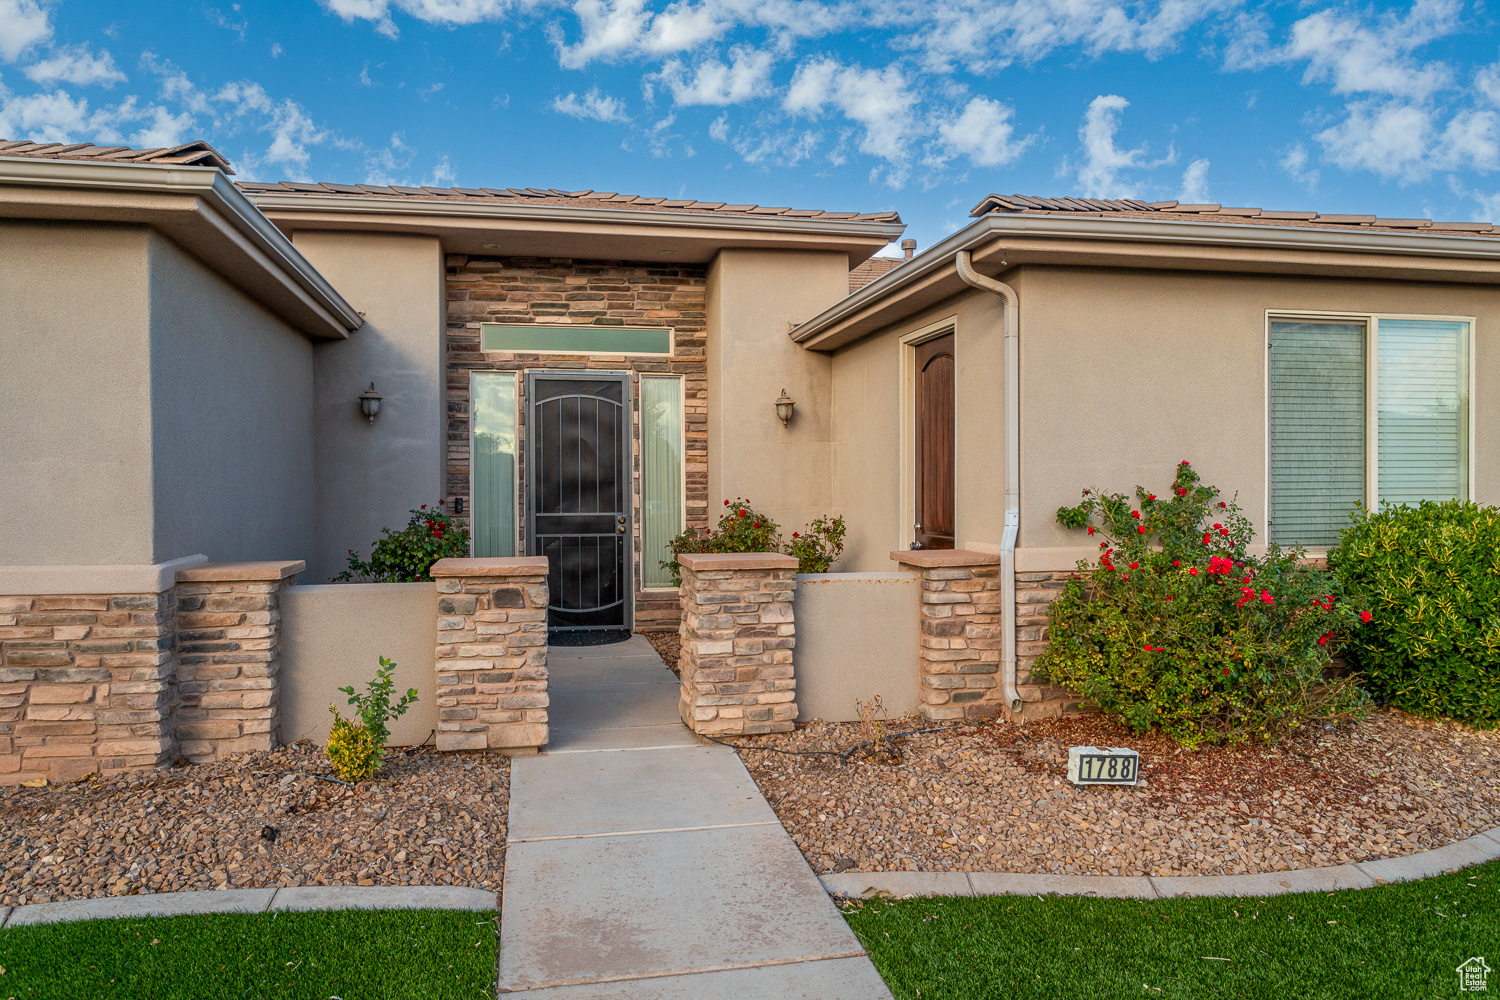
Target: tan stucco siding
x=75, y=395
x=231, y=418
x=370, y=475
x=754, y=297
x=1126, y=373
x=872, y=389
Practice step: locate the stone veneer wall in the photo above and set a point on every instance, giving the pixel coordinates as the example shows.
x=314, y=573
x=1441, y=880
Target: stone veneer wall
x=492, y=654
x=959, y=658
x=1035, y=593
x=513, y=290
x=87, y=684
x=738, y=634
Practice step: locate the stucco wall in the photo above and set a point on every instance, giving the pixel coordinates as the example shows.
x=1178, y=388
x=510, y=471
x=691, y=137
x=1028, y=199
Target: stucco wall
x=871, y=464
x=754, y=297
x=231, y=419
x=856, y=638
x=369, y=476
x=75, y=385
x=333, y=636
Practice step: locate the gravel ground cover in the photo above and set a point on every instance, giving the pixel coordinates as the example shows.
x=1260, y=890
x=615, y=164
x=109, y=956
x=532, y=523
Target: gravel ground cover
x=668, y=646
x=995, y=797
x=262, y=819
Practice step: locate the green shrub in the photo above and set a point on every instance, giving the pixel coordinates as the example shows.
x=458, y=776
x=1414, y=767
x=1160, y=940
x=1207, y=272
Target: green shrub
x=819, y=547
x=405, y=556
x=1177, y=626
x=357, y=750
x=742, y=529
x=1432, y=576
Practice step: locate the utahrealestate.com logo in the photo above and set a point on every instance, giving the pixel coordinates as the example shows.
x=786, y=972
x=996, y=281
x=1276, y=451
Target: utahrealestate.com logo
x=1473, y=976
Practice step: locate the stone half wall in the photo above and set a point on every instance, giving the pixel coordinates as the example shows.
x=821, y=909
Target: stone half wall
x=1035, y=593
x=513, y=290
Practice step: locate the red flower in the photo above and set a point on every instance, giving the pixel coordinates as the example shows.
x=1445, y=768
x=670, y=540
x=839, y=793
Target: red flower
x=423, y=507
x=726, y=503
x=744, y=513
x=1193, y=571
x=1181, y=492
x=796, y=534
x=1324, y=640
x=1104, y=545
x=1266, y=598
x=1226, y=670
x=1125, y=576
x=1205, y=538
x=1176, y=562
x=1148, y=648
x=1183, y=462
x=1141, y=528
x=1091, y=529
x=1170, y=597
x=1135, y=565
x=1136, y=514
x=1218, y=526
x=1365, y=617
x=1151, y=496
x=756, y=524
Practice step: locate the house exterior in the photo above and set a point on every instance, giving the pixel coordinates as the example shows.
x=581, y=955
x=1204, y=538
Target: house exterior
x=581, y=375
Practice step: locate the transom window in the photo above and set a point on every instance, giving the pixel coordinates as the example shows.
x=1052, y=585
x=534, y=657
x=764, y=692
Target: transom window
x=1364, y=409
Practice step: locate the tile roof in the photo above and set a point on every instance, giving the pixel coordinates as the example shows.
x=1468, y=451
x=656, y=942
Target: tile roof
x=862, y=274
x=555, y=196
x=193, y=154
x=1176, y=211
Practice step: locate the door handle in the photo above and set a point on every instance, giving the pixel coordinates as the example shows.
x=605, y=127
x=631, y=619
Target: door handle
x=620, y=527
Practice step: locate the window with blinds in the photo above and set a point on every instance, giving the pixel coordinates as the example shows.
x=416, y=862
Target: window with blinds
x=661, y=475
x=1317, y=428
x=1321, y=444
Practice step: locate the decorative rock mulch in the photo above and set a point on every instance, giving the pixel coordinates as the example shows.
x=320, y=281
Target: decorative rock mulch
x=258, y=820
x=668, y=646
x=995, y=797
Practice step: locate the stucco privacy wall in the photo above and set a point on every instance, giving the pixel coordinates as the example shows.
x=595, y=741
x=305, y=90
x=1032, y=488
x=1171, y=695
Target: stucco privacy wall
x=231, y=418
x=525, y=290
x=1126, y=373
x=873, y=389
x=754, y=298
x=369, y=475
x=333, y=636
x=856, y=638
x=75, y=394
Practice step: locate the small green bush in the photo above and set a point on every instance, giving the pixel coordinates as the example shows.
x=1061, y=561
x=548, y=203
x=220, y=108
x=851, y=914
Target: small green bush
x=405, y=556
x=819, y=547
x=357, y=750
x=742, y=529
x=1177, y=626
x=1432, y=576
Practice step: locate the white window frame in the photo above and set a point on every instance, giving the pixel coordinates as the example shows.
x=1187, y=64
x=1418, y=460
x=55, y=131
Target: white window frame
x=640, y=493
x=1371, y=320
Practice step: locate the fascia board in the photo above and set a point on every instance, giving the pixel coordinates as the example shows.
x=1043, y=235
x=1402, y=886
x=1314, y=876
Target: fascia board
x=207, y=195
x=1381, y=251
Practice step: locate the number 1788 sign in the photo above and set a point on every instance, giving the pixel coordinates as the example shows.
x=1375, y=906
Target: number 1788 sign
x=1103, y=766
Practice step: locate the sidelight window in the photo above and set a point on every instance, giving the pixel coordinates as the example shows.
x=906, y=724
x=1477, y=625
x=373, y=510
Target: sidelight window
x=492, y=398
x=661, y=475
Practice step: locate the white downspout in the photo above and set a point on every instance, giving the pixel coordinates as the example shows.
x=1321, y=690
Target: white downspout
x=964, y=262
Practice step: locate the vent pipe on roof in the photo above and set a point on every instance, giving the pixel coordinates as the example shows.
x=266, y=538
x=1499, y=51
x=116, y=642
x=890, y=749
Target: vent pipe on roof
x=908, y=247
x=964, y=263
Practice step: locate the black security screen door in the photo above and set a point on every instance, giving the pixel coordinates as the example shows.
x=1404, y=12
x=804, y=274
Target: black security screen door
x=578, y=495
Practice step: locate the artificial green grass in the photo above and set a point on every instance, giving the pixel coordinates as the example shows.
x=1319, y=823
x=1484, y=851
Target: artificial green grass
x=351, y=954
x=1388, y=942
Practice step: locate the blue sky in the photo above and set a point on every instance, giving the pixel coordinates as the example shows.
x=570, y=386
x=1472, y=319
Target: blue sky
x=923, y=106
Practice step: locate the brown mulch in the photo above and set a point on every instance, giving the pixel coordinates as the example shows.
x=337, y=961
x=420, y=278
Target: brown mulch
x=258, y=820
x=668, y=646
x=995, y=797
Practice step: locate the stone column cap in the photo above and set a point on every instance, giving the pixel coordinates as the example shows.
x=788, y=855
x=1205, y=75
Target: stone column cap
x=700, y=562
x=236, y=571
x=939, y=558
x=502, y=566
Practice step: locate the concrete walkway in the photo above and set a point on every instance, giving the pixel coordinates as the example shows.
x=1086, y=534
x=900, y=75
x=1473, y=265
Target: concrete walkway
x=644, y=863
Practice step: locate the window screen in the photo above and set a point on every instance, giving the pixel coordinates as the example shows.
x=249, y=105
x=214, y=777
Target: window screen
x=661, y=474
x=1317, y=427
x=1422, y=402
x=493, y=478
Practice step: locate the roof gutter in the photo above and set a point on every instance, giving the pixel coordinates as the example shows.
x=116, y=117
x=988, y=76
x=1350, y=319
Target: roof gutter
x=940, y=256
x=227, y=205
x=521, y=212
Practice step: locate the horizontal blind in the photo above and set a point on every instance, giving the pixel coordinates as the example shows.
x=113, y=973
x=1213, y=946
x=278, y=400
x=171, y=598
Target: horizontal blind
x=1317, y=429
x=1422, y=404
x=661, y=475
x=493, y=406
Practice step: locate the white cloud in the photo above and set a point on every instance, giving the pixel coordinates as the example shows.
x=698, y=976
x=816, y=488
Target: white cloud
x=714, y=83
x=1487, y=82
x=783, y=149
x=1359, y=59
x=292, y=132
x=1295, y=163
x=23, y=23
x=1402, y=141
x=164, y=129
x=1100, y=173
x=1195, y=184
x=1489, y=207
x=879, y=100
x=276, y=50
x=382, y=166
x=599, y=107
x=76, y=64
x=57, y=117
x=442, y=175
x=718, y=129
x=984, y=132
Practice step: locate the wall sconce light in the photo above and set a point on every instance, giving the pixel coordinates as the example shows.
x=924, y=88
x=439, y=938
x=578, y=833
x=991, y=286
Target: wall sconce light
x=369, y=402
x=784, y=407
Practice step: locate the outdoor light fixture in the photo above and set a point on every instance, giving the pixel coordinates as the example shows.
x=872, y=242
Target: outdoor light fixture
x=369, y=402
x=784, y=407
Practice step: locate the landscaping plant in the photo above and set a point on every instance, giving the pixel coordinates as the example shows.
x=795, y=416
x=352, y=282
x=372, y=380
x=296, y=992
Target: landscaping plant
x=819, y=546
x=357, y=749
x=405, y=556
x=1177, y=626
x=742, y=529
x=1432, y=576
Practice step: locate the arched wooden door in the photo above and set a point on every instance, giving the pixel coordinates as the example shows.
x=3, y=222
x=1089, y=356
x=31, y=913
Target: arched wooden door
x=935, y=447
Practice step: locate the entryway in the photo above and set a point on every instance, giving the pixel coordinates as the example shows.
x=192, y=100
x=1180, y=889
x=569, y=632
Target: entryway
x=934, y=436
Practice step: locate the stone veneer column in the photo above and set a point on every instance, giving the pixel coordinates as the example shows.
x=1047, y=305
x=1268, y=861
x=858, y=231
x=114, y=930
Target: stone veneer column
x=492, y=654
x=1035, y=593
x=86, y=684
x=229, y=657
x=960, y=632
x=738, y=634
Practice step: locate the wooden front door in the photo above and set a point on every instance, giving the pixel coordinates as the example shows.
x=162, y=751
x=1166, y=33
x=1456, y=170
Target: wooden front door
x=935, y=414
